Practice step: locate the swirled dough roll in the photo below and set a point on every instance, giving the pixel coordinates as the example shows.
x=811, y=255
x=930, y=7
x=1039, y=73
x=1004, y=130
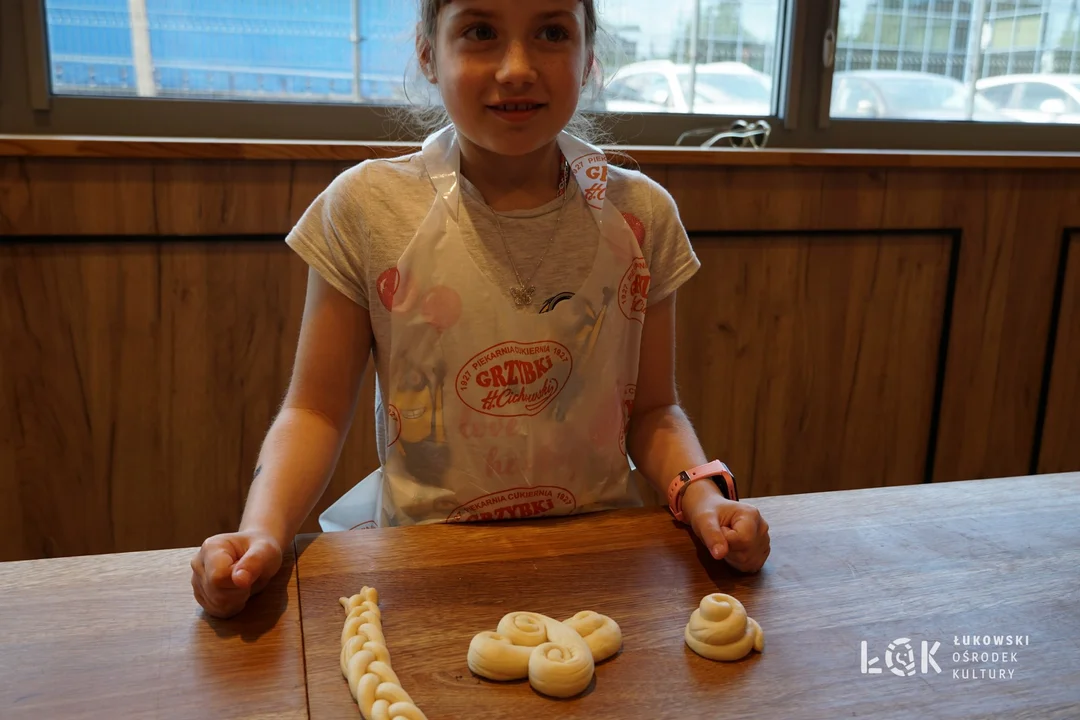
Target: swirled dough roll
x=720, y=630
x=496, y=657
x=365, y=662
x=602, y=634
x=558, y=657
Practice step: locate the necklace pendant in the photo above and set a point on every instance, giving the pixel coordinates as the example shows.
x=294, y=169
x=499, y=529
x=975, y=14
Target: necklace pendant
x=523, y=296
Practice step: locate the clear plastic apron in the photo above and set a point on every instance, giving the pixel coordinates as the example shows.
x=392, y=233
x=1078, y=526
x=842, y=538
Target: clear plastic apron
x=495, y=412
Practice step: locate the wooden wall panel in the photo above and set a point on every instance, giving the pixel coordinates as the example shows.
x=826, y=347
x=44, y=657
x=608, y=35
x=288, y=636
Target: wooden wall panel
x=1004, y=295
x=142, y=380
x=809, y=363
x=141, y=197
x=76, y=197
x=1009, y=222
x=1060, y=447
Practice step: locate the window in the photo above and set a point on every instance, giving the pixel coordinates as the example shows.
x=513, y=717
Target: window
x=360, y=52
x=343, y=51
x=945, y=59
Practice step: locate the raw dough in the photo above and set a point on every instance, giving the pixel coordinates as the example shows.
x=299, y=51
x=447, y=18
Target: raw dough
x=557, y=657
x=365, y=662
x=720, y=629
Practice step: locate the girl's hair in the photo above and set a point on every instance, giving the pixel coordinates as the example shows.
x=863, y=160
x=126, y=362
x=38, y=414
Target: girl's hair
x=427, y=117
x=429, y=20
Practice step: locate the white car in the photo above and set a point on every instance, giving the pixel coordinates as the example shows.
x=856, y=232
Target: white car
x=1034, y=98
x=661, y=86
x=905, y=95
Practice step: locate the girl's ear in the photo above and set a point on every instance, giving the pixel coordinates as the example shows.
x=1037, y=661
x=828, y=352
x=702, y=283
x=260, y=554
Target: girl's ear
x=590, y=67
x=426, y=56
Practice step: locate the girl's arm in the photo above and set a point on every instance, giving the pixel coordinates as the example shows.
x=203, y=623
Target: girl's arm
x=298, y=455
x=662, y=443
x=304, y=442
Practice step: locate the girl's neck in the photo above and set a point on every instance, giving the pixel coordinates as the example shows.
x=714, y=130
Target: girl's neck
x=521, y=182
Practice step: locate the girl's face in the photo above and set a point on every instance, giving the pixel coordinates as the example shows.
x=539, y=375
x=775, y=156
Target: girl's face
x=510, y=72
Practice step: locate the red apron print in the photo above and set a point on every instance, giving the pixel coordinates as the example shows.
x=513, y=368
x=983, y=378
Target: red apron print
x=516, y=503
x=634, y=290
x=514, y=379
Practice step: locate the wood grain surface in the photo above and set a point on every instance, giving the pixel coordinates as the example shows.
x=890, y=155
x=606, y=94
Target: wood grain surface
x=120, y=636
x=144, y=380
x=1004, y=282
x=220, y=148
x=818, y=353
x=933, y=562
x=1060, y=448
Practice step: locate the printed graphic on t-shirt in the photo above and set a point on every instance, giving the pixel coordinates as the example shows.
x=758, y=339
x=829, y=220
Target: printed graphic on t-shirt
x=472, y=425
x=513, y=379
x=417, y=396
x=516, y=504
x=634, y=290
x=553, y=301
x=441, y=307
x=416, y=392
x=636, y=226
x=387, y=285
x=585, y=338
x=393, y=425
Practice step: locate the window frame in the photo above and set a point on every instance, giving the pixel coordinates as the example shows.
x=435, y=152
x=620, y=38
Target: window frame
x=802, y=98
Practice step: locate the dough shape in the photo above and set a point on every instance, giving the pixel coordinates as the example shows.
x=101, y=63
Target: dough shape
x=720, y=630
x=558, y=657
x=365, y=662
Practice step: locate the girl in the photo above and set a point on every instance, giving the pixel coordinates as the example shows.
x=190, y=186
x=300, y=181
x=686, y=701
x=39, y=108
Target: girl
x=503, y=295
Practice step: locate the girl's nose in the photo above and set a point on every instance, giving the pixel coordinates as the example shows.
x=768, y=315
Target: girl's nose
x=516, y=67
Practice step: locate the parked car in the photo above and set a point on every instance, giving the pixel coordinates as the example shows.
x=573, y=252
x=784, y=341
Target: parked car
x=904, y=95
x=661, y=86
x=1034, y=98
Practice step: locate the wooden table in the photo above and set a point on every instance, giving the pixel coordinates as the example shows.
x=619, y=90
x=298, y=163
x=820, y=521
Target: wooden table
x=121, y=637
x=902, y=565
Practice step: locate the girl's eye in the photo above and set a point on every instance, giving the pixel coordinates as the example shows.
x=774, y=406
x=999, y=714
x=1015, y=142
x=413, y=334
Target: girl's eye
x=555, y=33
x=480, y=33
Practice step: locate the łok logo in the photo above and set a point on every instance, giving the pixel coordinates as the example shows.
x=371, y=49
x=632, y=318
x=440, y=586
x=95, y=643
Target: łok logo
x=900, y=658
x=514, y=379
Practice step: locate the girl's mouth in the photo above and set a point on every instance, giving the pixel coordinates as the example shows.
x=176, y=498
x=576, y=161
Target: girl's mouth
x=516, y=112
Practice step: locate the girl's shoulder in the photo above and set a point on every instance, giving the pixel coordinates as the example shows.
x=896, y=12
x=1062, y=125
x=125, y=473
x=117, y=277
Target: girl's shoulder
x=381, y=181
x=637, y=194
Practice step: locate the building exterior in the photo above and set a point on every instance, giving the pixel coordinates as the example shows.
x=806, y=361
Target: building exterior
x=1017, y=36
x=279, y=49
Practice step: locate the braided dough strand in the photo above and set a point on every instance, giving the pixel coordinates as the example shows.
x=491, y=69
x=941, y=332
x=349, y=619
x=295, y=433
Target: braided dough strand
x=720, y=629
x=365, y=662
x=558, y=657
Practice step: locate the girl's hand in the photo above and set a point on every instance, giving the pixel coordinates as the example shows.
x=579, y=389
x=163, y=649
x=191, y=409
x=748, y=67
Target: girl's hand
x=230, y=568
x=733, y=531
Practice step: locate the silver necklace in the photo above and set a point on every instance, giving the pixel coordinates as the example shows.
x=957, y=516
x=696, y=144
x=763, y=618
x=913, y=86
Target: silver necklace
x=523, y=293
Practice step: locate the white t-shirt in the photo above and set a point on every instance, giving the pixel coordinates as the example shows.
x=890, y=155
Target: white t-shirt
x=357, y=229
